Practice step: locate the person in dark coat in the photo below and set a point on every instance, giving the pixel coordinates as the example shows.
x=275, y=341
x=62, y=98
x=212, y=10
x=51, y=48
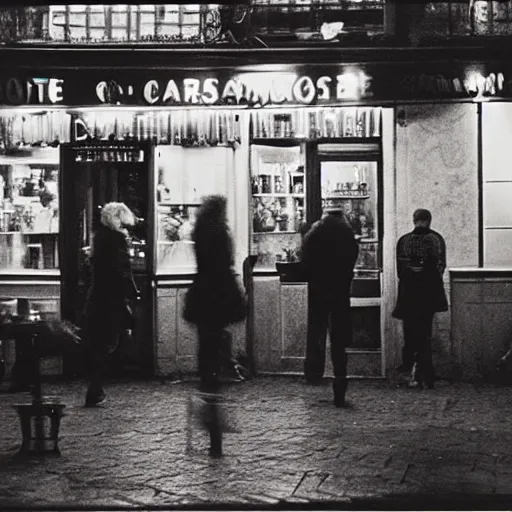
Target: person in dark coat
x=328, y=254
x=107, y=313
x=421, y=262
x=214, y=300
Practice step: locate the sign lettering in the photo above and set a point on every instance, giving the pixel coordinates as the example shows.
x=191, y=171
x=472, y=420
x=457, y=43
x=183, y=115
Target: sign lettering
x=305, y=85
x=32, y=91
x=253, y=88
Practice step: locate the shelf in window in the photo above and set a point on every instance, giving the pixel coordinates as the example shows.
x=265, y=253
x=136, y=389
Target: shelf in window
x=26, y=160
x=344, y=196
x=368, y=240
x=279, y=195
x=274, y=232
x=277, y=141
x=178, y=204
x=169, y=242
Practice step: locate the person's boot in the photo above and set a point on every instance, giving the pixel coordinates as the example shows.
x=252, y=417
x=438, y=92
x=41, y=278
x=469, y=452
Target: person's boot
x=339, y=387
x=95, y=397
x=215, y=431
x=416, y=380
x=502, y=365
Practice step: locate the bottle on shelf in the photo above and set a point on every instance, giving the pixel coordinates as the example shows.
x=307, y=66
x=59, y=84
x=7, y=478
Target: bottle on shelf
x=265, y=189
x=278, y=185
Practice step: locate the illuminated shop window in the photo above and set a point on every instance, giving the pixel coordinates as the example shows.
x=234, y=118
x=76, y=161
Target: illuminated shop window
x=29, y=210
x=104, y=23
x=318, y=19
x=191, y=23
x=457, y=19
x=123, y=23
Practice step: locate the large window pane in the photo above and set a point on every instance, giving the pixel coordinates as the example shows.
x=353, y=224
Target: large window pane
x=184, y=176
x=29, y=211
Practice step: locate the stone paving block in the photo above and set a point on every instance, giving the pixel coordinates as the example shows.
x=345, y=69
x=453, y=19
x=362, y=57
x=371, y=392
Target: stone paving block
x=309, y=483
x=335, y=485
x=261, y=498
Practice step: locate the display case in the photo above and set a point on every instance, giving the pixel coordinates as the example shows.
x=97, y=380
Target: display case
x=29, y=210
x=349, y=179
x=352, y=186
x=278, y=196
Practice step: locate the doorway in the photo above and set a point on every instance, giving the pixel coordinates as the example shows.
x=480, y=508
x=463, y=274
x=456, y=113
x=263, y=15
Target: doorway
x=91, y=176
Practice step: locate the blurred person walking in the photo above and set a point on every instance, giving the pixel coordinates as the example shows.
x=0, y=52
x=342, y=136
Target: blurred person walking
x=421, y=262
x=213, y=301
x=328, y=255
x=107, y=312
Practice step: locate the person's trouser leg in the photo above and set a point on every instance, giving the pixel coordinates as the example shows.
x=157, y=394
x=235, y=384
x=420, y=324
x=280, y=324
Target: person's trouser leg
x=100, y=337
x=209, y=356
x=410, y=343
x=318, y=314
x=97, y=370
x=341, y=331
x=209, y=366
x=424, y=354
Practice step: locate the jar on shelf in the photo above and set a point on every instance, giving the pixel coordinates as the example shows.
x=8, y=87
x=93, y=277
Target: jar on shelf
x=255, y=189
x=278, y=185
x=265, y=186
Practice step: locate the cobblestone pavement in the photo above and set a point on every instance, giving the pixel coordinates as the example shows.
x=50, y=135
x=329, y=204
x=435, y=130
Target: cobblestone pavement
x=390, y=448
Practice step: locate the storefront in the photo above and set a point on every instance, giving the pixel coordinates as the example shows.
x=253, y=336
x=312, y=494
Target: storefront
x=281, y=142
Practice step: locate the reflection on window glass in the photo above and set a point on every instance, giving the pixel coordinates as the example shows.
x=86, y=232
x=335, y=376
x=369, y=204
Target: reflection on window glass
x=187, y=22
x=175, y=245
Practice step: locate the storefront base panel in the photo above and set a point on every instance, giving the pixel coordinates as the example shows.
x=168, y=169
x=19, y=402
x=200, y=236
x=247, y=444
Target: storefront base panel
x=359, y=364
x=280, y=330
x=481, y=320
x=176, y=339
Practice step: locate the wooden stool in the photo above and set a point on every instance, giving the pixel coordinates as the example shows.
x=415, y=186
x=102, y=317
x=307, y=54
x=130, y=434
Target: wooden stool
x=40, y=424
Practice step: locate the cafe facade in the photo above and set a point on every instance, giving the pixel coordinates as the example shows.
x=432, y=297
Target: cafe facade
x=283, y=135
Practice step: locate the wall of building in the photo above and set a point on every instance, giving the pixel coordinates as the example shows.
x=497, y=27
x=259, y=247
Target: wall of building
x=437, y=169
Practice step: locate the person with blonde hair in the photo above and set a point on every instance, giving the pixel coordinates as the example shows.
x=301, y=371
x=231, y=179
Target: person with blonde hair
x=107, y=311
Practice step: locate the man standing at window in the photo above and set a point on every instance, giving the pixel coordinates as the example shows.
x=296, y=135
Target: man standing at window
x=329, y=253
x=421, y=262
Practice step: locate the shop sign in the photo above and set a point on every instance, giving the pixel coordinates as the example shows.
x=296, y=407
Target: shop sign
x=474, y=84
x=303, y=85
x=256, y=89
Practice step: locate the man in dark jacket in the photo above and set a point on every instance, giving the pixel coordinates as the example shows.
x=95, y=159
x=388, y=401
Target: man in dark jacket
x=329, y=253
x=421, y=262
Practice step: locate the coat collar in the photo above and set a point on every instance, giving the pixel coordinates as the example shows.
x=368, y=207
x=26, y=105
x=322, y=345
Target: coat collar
x=421, y=231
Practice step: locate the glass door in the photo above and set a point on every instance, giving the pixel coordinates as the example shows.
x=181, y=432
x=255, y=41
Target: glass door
x=349, y=178
x=352, y=186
